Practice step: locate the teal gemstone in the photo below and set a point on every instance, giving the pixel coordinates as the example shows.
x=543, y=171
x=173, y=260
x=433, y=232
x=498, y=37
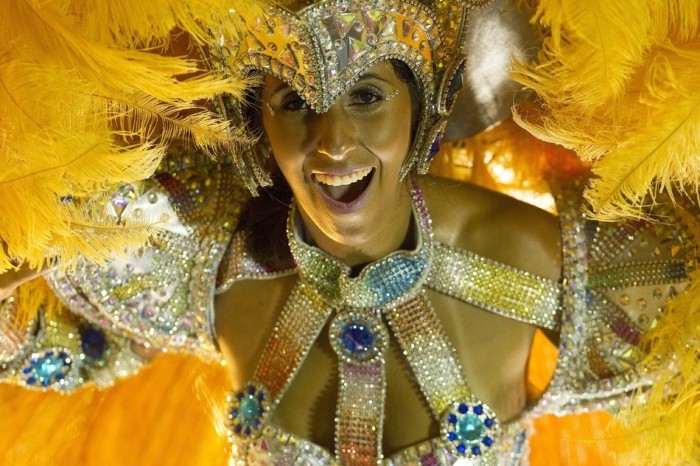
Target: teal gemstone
x=249, y=410
x=49, y=366
x=470, y=429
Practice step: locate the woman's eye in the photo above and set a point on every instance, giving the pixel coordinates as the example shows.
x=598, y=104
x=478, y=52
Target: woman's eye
x=365, y=97
x=293, y=103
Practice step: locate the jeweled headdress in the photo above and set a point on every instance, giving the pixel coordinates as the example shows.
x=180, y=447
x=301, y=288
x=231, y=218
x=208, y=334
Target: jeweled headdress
x=322, y=50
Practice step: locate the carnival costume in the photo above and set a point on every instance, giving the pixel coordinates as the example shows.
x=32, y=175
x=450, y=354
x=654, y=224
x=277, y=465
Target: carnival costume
x=616, y=280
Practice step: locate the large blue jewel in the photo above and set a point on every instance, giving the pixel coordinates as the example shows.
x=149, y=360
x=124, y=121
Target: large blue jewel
x=357, y=338
x=93, y=342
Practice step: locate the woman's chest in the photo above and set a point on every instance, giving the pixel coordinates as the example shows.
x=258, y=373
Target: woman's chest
x=491, y=350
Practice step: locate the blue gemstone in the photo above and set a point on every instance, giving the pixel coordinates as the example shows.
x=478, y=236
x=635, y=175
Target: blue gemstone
x=49, y=366
x=488, y=441
x=45, y=382
x=251, y=390
x=26, y=370
x=470, y=429
x=476, y=450
x=59, y=377
x=488, y=422
x=478, y=409
x=461, y=448
x=237, y=428
x=31, y=380
x=357, y=338
x=93, y=342
x=452, y=436
x=261, y=395
x=249, y=410
x=463, y=408
x=234, y=412
x=452, y=419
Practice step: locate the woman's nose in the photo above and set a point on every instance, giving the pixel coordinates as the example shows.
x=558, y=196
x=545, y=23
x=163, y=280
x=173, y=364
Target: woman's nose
x=334, y=132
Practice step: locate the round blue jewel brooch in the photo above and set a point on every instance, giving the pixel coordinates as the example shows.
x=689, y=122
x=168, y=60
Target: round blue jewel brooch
x=470, y=428
x=358, y=338
x=248, y=406
x=53, y=367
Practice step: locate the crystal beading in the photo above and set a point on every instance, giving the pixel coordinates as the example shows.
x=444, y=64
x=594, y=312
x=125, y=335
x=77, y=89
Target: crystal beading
x=495, y=287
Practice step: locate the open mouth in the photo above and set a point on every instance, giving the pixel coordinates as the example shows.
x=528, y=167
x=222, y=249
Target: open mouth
x=344, y=188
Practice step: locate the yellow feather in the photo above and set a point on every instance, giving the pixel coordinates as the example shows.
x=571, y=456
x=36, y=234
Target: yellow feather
x=592, y=49
x=77, y=77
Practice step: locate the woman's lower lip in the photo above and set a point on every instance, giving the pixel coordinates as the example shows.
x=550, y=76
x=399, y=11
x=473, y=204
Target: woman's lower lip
x=348, y=207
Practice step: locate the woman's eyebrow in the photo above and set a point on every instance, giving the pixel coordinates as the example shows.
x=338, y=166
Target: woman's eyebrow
x=367, y=76
x=372, y=75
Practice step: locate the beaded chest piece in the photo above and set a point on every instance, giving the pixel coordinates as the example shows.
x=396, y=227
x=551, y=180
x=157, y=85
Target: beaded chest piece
x=358, y=310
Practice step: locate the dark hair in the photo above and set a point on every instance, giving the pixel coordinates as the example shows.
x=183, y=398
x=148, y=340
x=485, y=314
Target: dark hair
x=264, y=217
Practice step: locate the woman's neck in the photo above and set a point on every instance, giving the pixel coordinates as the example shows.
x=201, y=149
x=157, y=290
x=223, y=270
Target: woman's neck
x=356, y=251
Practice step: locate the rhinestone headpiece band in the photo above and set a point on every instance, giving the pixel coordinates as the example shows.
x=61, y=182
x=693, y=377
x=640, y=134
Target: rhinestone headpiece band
x=323, y=49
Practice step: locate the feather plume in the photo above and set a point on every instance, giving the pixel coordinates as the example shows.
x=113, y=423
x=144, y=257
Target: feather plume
x=91, y=94
x=591, y=51
x=641, y=139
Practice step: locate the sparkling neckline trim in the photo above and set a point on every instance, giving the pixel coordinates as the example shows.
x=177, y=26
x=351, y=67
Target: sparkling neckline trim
x=394, y=279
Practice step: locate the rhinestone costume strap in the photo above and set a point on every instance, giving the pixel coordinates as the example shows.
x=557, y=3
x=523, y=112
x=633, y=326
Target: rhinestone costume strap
x=303, y=317
x=360, y=339
x=431, y=356
x=470, y=427
x=495, y=287
x=300, y=323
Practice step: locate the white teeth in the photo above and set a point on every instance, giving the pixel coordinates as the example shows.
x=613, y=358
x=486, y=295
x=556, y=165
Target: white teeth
x=342, y=180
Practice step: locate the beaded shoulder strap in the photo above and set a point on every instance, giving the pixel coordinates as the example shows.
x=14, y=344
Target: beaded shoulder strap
x=495, y=287
x=618, y=279
x=162, y=294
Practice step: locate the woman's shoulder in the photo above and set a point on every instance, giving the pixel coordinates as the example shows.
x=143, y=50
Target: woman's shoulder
x=494, y=225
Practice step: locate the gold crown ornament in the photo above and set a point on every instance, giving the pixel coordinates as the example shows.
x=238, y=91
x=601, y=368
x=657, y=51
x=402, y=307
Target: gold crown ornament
x=322, y=49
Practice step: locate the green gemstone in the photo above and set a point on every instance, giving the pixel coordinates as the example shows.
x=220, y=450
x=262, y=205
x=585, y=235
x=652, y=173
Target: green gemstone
x=249, y=410
x=49, y=366
x=470, y=429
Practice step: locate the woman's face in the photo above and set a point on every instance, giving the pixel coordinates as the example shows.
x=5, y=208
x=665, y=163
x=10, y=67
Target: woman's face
x=343, y=165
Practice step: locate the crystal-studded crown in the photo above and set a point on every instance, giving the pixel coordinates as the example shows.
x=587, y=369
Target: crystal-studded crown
x=323, y=49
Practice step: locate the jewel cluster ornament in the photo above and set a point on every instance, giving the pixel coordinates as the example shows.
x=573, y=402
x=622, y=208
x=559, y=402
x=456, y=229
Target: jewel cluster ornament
x=247, y=409
x=51, y=367
x=471, y=428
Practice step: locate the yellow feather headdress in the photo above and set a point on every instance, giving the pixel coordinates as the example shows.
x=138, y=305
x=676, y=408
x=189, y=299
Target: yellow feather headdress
x=91, y=93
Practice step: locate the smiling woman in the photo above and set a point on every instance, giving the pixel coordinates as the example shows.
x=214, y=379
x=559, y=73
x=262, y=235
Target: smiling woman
x=368, y=313
x=344, y=165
